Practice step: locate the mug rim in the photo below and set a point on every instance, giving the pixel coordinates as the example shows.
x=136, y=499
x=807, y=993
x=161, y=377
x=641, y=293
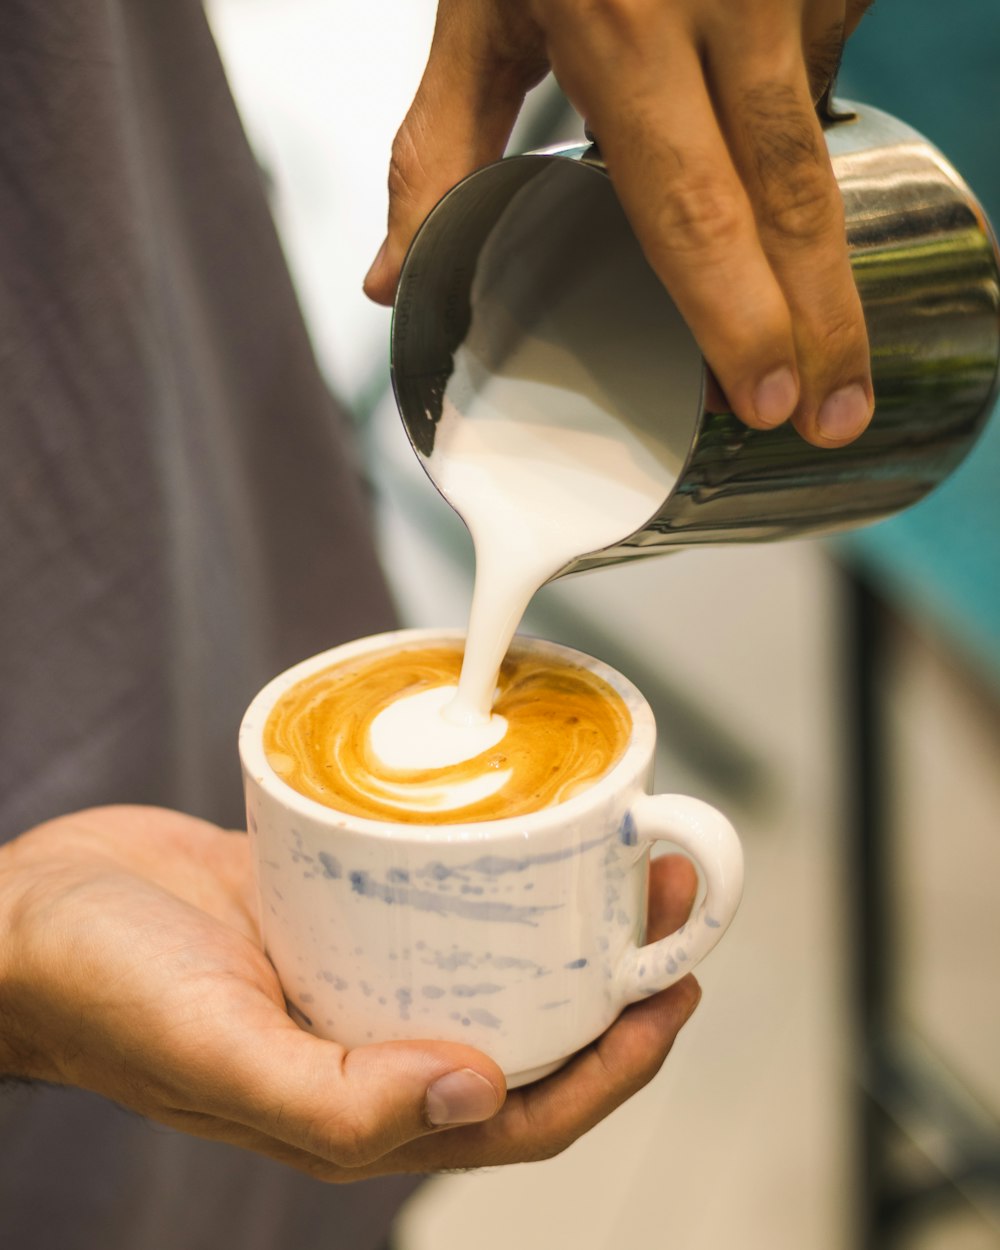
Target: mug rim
x=257, y=770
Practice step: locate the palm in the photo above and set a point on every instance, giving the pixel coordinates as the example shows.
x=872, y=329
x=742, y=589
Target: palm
x=140, y=975
x=158, y=910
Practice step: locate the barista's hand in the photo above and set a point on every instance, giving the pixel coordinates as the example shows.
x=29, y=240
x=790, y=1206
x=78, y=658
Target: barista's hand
x=703, y=110
x=129, y=965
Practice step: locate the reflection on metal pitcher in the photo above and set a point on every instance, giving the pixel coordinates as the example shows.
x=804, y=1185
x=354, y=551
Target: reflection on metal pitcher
x=926, y=265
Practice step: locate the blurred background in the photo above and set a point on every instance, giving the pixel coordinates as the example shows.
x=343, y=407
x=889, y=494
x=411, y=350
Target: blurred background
x=839, y=1086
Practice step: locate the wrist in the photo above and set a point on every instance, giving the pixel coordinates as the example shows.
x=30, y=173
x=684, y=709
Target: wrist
x=13, y=1059
x=20, y=882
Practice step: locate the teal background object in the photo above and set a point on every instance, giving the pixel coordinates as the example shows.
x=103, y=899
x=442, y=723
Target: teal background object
x=937, y=67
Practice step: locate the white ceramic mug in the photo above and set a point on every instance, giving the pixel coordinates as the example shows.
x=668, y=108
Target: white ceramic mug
x=522, y=937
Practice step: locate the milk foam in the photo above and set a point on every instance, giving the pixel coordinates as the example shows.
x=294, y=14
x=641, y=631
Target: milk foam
x=412, y=733
x=433, y=797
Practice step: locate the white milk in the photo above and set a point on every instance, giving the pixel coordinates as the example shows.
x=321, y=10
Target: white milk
x=398, y=733
x=540, y=474
x=573, y=355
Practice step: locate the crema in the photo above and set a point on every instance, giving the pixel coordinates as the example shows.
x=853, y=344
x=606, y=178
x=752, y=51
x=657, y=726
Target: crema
x=336, y=737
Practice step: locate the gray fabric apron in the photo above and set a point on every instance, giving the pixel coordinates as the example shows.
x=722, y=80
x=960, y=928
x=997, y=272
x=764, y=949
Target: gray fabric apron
x=180, y=517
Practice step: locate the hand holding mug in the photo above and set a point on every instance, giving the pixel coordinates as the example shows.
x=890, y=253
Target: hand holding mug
x=130, y=965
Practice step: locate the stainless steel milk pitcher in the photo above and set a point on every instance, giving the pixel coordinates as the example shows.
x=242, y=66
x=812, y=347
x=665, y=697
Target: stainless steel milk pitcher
x=926, y=265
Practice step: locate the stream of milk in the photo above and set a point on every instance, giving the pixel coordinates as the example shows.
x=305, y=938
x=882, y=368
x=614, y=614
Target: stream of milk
x=541, y=474
x=573, y=346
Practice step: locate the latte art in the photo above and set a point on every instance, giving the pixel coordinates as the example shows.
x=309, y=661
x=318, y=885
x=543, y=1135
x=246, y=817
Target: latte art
x=372, y=738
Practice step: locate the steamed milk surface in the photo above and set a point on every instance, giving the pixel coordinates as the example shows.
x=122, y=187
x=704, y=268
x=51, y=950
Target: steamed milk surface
x=560, y=728
x=398, y=736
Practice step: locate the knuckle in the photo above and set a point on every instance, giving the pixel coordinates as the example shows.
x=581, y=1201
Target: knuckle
x=614, y=27
x=844, y=340
x=346, y=1139
x=548, y=1147
x=835, y=353
x=799, y=199
x=698, y=216
x=803, y=206
x=560, y=1144
x=609, y=13
x=835, y=326
x=531, y=1137
x=404, y=165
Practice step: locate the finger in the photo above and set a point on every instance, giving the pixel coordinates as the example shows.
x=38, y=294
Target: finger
x=673, y=885
x=647, y=102
x=541, y=1120
x=348, y=1109
x=461, y=118
x=763, y=102
x=535, y=1123
x=605, y=1075
x=212, y=1128
x=822, y=43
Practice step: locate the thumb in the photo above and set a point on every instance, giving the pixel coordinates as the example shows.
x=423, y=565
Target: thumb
x=354, y=1107
x=460, y=118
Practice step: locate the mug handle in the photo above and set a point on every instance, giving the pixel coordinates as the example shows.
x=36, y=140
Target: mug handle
x=707, y=838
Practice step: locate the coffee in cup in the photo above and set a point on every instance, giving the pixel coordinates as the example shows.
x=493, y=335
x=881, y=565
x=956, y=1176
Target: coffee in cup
x=372, y=736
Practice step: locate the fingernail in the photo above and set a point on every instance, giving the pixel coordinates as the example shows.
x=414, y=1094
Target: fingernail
x=377, y=262
x=462, y=1097
x=844, y=414
x=775, y=397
